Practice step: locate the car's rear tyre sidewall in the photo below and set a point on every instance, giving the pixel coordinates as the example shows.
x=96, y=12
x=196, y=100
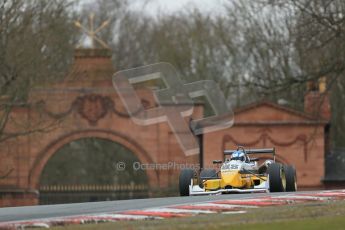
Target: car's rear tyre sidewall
x=291, y=178
x=277, y=179
x=207, y=173
x=186, y=175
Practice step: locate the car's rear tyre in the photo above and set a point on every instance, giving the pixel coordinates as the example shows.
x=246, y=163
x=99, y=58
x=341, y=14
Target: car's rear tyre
x=291, y=178
x=186, y=175
x=277, y=179
x=208, y=173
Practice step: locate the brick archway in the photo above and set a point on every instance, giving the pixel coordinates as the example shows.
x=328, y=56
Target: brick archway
x=83, y=105
x=52, y=148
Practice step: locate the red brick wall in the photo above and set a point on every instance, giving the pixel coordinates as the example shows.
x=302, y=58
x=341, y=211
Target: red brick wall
x=10, y=199
x=27, y=155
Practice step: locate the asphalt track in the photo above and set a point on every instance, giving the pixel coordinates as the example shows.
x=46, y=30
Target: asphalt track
x=63, y=210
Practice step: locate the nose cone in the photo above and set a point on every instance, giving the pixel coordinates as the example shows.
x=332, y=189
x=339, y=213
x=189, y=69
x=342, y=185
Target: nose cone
x=232, y=178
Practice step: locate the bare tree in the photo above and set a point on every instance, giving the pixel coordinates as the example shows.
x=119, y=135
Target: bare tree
x=257, y=49
x=35, y=48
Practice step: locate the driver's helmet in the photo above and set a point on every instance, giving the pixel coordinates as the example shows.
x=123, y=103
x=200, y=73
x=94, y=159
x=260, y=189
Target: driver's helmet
x=238, y=155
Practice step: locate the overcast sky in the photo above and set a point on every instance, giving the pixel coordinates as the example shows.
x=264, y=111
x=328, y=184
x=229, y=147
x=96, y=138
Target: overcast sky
x=169, y=6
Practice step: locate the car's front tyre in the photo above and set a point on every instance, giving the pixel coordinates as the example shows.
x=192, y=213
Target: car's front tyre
x=277, y=178
x=186, y=175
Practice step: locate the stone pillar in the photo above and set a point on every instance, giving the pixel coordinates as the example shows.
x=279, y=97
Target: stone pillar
x=316, y=100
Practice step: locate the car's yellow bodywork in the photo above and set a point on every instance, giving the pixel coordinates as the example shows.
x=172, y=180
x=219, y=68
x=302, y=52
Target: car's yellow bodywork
x=233, y=179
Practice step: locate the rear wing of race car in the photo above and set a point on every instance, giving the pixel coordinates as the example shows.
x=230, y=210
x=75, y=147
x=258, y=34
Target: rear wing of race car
x=253, y=151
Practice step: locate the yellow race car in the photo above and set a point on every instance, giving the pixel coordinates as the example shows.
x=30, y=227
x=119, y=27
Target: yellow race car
x=239, y=174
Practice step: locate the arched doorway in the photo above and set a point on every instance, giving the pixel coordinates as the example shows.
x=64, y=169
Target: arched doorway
x=91, y=169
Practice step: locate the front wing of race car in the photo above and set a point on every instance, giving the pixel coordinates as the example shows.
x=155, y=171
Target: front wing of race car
x=195, y=190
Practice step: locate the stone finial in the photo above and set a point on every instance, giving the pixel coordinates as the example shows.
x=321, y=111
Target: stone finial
x=91, y=32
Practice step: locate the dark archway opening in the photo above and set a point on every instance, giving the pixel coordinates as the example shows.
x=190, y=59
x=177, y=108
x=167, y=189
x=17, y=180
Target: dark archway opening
x=92, y=169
